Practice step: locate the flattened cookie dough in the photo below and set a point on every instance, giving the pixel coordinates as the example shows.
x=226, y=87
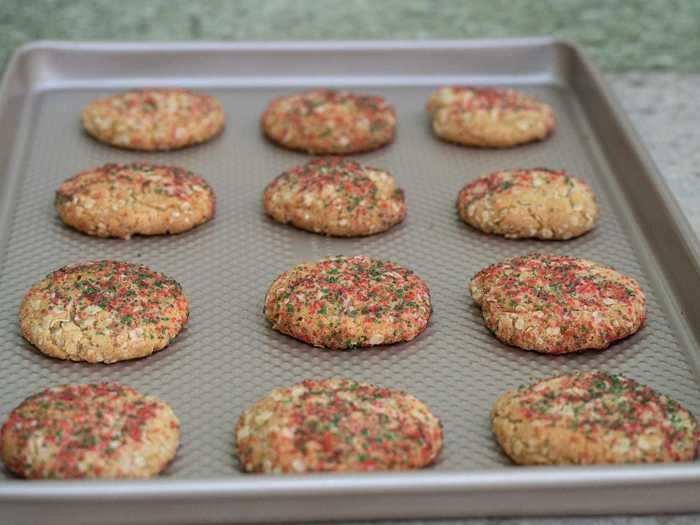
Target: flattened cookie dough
x=593, y=417
x=154, y=119
x=121, y=200
x=348, y=302
x=558, y=304
x=336, y=197
x=103, y=311
x=325, y=121
x=89, y=431
x=336, y=425
x=538, y=202
x=488, y=117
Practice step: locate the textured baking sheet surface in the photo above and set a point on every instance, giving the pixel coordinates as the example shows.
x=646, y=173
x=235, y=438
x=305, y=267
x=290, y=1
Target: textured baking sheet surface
x=228, y=357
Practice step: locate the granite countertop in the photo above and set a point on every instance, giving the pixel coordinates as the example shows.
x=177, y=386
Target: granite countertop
x=665, y=110
x=649, y=50
x=627, y=35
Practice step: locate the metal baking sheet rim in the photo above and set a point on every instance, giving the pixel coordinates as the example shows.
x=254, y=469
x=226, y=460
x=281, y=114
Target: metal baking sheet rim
x=510, y=491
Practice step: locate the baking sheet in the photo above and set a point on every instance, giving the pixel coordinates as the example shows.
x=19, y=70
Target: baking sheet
x=228, y=356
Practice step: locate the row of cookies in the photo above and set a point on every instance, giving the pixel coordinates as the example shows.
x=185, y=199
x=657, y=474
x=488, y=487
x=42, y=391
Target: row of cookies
x=331, y=196
x=319, y=121
x=108, y=311
x=340, y=425
x=340, y=197
x=113, y=431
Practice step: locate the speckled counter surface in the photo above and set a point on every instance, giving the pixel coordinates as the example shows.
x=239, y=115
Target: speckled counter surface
x=620, y=35
x=665, y=110
x=649, y=49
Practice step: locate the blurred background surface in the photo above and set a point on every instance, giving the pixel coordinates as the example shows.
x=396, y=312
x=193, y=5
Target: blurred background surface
x=620, y=35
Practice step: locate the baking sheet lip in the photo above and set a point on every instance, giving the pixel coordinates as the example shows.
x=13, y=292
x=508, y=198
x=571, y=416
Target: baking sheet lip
x=689, y=239
x=302, y=81
x=287, y=45
x=502, y=479
x=23, y=53
x=660, y=184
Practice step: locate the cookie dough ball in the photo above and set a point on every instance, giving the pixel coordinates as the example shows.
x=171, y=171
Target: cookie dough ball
x=488, y=117
x=348, y=302
x=121, y=200
x=325, y=121
x=593, y=417
x=558, y=304
x=154, y=119
x=337, y=425
x=89, y=431
x=336, y=197
x=539, y=203
x=103, y=311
